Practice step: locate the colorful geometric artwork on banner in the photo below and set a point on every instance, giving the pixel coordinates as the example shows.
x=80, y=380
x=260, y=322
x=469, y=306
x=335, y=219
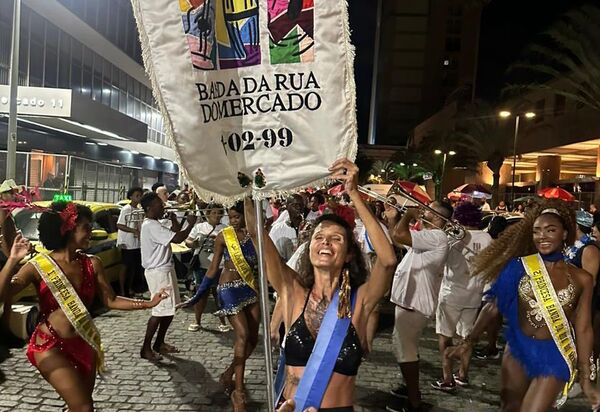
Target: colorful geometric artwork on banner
x=231, y=25
x=291, y=30
x=257, y=96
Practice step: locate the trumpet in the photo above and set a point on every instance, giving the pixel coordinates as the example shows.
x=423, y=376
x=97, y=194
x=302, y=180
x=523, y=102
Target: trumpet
x=451, y=228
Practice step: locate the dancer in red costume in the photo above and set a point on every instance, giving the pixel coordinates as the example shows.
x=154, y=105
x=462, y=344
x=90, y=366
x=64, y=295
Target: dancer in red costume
x=65, y=346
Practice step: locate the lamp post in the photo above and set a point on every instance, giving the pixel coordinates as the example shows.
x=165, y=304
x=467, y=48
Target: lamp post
x=11, y=141
x=505, y=114
x=446, y=154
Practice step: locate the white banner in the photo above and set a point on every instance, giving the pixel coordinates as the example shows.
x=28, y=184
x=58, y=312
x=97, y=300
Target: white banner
x=245, y=85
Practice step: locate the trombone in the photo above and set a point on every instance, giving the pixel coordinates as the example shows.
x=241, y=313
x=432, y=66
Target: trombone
x=451, y=228
x=138, y=216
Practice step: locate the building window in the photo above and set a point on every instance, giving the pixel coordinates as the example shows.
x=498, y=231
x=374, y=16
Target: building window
x=540, y=106
x=560, y=102
x=452, y=44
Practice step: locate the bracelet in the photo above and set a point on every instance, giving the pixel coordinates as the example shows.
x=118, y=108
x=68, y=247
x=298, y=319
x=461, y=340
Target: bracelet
x=468, y=340
x=593, y=368
x=139, y=304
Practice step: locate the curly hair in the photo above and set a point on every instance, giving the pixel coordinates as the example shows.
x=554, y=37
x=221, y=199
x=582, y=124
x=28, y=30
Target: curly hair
x=517, y=240
x=50, y=223
x=357, y=266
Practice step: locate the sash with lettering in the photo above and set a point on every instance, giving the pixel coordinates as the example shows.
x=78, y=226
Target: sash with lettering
x=256, y=91
x=554, y=315
x=237, y=257
x=71, y=304
x=319, y=367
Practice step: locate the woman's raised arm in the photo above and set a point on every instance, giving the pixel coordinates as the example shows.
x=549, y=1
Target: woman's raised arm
x=385, y=264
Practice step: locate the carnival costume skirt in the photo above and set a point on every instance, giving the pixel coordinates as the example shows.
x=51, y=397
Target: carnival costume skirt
x=75, y=349
x=234, y=297
x=539, y=357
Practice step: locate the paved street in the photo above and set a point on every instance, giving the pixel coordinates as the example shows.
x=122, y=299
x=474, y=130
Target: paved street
x=189, y=381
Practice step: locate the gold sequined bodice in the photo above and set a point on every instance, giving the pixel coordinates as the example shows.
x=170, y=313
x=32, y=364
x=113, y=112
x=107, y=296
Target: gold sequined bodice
x=566, y=298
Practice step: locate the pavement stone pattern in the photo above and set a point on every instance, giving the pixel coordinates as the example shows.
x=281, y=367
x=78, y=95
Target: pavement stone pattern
x=189, y=381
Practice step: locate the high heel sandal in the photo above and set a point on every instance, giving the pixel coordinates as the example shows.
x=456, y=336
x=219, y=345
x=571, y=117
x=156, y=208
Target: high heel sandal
x=238, y=399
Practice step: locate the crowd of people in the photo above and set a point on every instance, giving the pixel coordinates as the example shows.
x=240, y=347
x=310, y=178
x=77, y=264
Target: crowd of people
x=332, y=261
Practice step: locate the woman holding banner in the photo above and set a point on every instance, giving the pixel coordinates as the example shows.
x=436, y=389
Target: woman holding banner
x=327, y=302
x=237, y=292
x=544, y=301
x=66, y=347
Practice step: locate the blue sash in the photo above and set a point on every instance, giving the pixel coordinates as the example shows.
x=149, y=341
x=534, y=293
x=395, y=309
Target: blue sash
x=320, y=365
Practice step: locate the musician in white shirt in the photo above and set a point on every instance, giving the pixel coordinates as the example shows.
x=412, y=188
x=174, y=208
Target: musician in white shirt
x=202, y=240
x=157, y=259
x=128, y=240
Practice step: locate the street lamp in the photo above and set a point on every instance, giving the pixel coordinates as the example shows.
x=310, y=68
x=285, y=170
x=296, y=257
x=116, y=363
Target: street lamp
x=446, y=154
x=505, y=114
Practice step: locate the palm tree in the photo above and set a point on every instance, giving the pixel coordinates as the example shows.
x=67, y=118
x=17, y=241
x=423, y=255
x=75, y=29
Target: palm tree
x=464, y=145
x=568, y=52
x=385, y=169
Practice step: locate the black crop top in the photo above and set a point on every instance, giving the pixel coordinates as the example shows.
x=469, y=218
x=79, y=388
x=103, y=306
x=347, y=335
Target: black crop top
x=299, y=344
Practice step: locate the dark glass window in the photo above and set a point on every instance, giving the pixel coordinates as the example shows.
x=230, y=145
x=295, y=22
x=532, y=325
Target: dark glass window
x=560, y=102
x=123, y=102
x=64, y=61
x=115, y=76
x=51, y=62
x=36, y=63
x=97, y=88
x=106, y=92
x=114, y=98
x=103, y=17
x=91, y=13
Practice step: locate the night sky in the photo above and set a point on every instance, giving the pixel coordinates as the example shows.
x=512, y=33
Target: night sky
x=507, y=27
x=363, y=20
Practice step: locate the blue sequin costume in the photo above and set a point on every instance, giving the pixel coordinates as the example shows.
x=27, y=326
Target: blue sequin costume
x=539, y=357
x=236, y=295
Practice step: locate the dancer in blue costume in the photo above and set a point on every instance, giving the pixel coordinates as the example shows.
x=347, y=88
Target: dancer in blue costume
x=238, y=301
x=332, y=260
x=534, y=372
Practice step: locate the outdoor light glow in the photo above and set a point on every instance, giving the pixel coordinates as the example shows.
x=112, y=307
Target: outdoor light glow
x=134, y=152
x=382, y=170
x=156, y=158
x=102, y=144
x=415, y=165
x=530, y=115
x=91, y=143
x=402, y=164
x=505, y=113
x=438, y=151
x=451, y=152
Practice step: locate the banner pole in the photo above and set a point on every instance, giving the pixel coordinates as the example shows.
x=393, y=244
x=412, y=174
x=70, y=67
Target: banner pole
x=264, y=304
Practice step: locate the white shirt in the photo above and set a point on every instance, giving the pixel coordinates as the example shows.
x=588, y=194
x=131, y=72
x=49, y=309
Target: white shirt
x=156, y=244
x=485, y=207
x=294, y=261
x=199, y=232
x=284, y=236
x=419, y=275
x=459, y=288
x=127, y=240
x=312, y=216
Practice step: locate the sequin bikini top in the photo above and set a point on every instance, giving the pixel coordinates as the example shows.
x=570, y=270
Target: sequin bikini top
x=248, y=250
x=299, y=344
x=533, y=312
x=86, y=291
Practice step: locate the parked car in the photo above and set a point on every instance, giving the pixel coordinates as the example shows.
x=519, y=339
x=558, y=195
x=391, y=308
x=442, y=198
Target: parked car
x=511, y=219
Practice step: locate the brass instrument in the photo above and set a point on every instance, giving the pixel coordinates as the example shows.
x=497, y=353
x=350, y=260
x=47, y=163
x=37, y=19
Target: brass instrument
x=138, y=216
x=451, y=228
